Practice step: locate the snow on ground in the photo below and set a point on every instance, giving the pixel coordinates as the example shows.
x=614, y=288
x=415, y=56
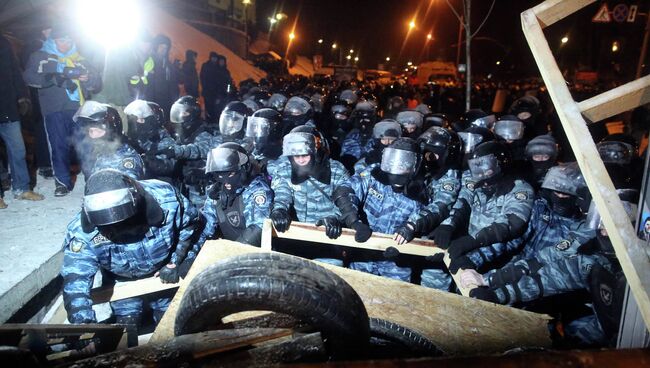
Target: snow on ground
x=30, y=234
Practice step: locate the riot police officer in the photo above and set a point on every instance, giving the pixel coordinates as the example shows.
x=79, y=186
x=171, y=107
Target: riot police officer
x=383, y=134
x=264, y=130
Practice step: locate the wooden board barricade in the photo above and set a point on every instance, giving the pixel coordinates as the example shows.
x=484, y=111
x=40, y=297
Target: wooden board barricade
x=458, y=325
x=631, y=253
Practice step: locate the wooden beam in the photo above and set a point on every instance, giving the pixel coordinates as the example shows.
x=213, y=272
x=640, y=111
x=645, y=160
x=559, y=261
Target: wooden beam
x=550, y=11
x=379, y=242
x=455, y=323
x=630, y=251
x=615, y=101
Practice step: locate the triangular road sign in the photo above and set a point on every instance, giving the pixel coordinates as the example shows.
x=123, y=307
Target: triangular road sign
x=603, y=15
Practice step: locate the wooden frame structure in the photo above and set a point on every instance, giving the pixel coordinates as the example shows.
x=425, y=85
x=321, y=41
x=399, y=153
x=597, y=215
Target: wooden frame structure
x=632, y=255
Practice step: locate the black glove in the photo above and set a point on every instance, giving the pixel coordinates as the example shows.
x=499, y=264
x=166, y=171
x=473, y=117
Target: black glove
x=462, y=245
x=332, y=225
x=169, y=152
x=442, y=236
x=362, y=232
x=281, y=219
x=391, y=253
x=435, y=258
x=168, y=275
x=184, y=267
x=407, y=231
x=462, y=262
x=154, y=165
x=484, y=293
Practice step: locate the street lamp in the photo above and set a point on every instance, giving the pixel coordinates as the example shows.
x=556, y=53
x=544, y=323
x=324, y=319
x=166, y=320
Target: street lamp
x=565, y=39
x=429, y=37
x=615, y=46
x=351, y=51
x=498, y=62
x=356, y=58
x=409, y=63
x=333, y=45
x=387, y=58
x=411, y=24
x=292, y=36
x=272, y=20
x=320, y=40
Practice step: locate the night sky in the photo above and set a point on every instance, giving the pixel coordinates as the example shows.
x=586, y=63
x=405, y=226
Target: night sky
x=376, y=29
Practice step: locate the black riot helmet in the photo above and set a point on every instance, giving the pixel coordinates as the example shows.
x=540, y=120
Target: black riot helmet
x=262, y=98
x=541, y=153
x=567, y=180
x=111, y=197
x=424, y=109
x=394, y=105
x=472, y=137
x=99, y=121
x=340, y=117
x=411, y=122
x=184, y=116
x=400, y=162
x=364, y=117
x=277, y=101
x=348, y=98
x=441, y=149
x=479, y=118
x=229, y=164
x=264, y=127
x=297, y=112
x=526, y=108
x=387, y=129
x=489, y=162
x=145, y=120
x=440, y=120
x=233, y=119
x=307, y=141
x=618, y=149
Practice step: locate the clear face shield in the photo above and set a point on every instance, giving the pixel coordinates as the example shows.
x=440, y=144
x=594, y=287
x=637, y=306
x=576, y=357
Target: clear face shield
x=179, y=113
x=594, y=220
x=386, y=128
x=298, y=144
x=230, y=122
x=470, y=141
x=139, y=110
x=564, y=179
x=296, y=107
x=224, y=159
x=398, y=162
x=510, y=130
x=109, y=207
x=484, y=122
x=483, y=168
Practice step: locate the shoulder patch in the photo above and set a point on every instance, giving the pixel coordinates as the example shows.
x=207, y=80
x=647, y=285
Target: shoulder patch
x=563, y=245
x=128, y=163
x=521, y=196
x=449, y=187
x=260, y=199
x=470, y=185
x=76, y=245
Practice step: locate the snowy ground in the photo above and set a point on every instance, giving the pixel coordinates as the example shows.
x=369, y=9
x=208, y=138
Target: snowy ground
x=31, y=233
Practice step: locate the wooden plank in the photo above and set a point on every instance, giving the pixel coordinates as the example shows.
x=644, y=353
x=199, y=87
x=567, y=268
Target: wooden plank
x=267, y=234
x=129, y=289
x=615, y=101
x=455, y=323
x=551, y=11
x=629, y=249
x=379, y=242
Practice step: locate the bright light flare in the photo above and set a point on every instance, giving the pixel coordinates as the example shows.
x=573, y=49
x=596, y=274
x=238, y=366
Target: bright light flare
x=498, y=62
x=292, y=36
x=409, y=63
x=320, y=40
x=411, y=24
x=387, y=58
x=112, y=23
x=272, y=20
x=565, y=39
x=615, y=46
x=348, y=57
x=351, y=51
x=334, y=46
x=356, y=58
x=429, y=37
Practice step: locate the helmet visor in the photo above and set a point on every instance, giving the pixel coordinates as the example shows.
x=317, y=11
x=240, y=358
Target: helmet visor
x=484, y=167
x=298, y=144
x=90, y=111
x=257, y=127
x=470, y=141
x=484, y=122
x=398, y=162
x=224, y=159
x=179, y=113
x=562, y=179
x=409, y=119
x=615, y=152
x=139, y=109
x=230, y=122
x=109, y=207
x=510, y=130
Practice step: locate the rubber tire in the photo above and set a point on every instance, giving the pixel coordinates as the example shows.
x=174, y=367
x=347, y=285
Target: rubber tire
x=278, y=283
x=404, y=337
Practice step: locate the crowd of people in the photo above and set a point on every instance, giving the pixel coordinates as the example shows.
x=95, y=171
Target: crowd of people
x=163, y=175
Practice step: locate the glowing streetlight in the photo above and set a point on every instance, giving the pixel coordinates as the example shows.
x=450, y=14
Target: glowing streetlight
x=273, y=20
x=406, y=69
x=565, y=39
x=292, y=36
x=334, y=45
x=409, y=63
x=498, y=62
x=351, y=51
x=411, y=24
x=320, y=40
x=96, y=20
x=615, y=46
x=429, y=37
x=387, y=58
x=356, y=58
x=348, y=57
x=280, y=16
x=246, y=2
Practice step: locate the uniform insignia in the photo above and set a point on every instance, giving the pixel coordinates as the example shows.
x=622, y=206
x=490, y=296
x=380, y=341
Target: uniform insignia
x=587, y=267
x=76, y=246
x=546, y=218
x=100, y=239
x=233, y=218
x=128, y=163
x=522, y=196
x=373, y=192
x=606, y=294
x=260, y=199
x=470, y=185
x=448, y=187
x=563, y=245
